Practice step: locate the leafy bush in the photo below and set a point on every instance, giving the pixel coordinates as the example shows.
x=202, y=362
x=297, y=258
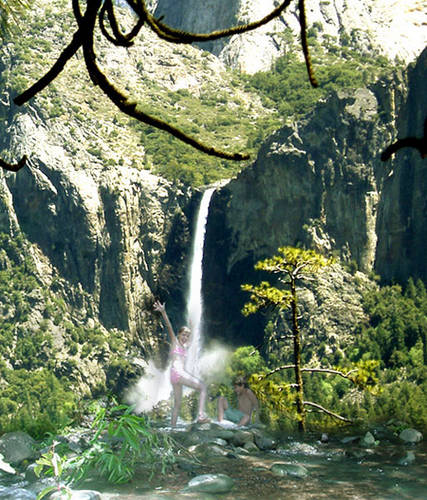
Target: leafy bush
x=35, y=402
x=120, y=442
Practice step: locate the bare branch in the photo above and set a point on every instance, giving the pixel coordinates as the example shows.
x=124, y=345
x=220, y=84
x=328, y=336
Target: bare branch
x=304, y=43
x=328, y=412
x=13, y=167
x=419, y=143
x=178, y=36
x=118, y=37
x=105, y=11
x=279, y=369
x=329, y=370
x=48, y=78
x=128, y=106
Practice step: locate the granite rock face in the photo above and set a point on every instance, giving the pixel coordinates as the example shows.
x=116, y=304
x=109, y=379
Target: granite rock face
x=402, y=212
x=114, y=236
x=393, y=30
x=103, y=230
x=320, y=183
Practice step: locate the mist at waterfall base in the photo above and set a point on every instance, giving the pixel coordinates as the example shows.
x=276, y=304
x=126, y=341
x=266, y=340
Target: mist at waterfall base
x=155, y=385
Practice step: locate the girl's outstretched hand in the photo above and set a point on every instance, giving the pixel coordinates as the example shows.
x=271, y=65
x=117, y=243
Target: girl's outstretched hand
x=158, y=306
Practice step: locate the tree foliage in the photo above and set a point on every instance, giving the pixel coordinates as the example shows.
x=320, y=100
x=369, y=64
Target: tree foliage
x=120, y=440
x=396, y=334
x=292, y=265
x=36, y=402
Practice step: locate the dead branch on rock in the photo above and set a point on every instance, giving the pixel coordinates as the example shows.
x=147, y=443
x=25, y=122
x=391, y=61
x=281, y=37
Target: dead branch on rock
x=13, y=167
x=419, y=143
x=110, y=30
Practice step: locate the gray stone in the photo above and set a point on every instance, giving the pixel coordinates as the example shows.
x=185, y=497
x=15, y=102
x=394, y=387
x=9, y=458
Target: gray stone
x=324, y=438
x=208, y=450
x=12, y=493
x=221, y=433
x=286, y=469
x=411, y=436
x=265, y=442
x=251, y=447
x=187, y=438
x=211, y=483
x=16, y=447
x=76, y=495
x=5, y=467
x=408, y=459
x=217, y=441
x=30, y=475
x=368, y=440
x=241, y=437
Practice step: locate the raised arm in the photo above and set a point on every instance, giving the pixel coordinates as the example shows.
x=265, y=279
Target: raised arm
x=158, y=306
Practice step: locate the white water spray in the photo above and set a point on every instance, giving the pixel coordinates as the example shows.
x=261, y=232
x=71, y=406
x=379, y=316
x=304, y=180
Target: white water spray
x=194, y=298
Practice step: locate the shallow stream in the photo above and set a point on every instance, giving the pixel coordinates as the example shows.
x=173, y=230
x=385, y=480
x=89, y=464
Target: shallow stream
x=335, y=471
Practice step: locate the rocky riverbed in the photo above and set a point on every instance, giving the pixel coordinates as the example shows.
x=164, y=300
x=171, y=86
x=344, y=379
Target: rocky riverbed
x=214, y=461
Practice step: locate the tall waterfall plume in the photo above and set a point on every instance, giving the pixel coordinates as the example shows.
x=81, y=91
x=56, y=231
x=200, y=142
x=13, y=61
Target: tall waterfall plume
x=194, y=297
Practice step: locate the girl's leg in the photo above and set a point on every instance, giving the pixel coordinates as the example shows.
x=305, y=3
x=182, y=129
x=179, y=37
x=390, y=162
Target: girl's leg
x=200, y=386
x=177, y=397
x=222, y=406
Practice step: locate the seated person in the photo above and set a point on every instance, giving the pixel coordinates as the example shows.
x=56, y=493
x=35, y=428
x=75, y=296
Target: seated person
x=247, y=403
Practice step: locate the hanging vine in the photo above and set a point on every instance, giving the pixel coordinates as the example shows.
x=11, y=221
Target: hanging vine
x=105, y=12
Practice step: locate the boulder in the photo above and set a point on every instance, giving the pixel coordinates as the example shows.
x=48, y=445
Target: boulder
x=208, y=450
x=16, y=447
x=263, y=441
x=368, y=441
x=286, y=469
x=411, y=436
x=12, y=493
x=211, y=483
x=76, y=495
x=251, y=447
x=241, y=437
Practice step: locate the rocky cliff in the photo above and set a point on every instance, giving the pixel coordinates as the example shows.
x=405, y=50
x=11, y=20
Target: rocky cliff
x=320, y=183
x=106, y=235
x=102, y=234
x=394, y=29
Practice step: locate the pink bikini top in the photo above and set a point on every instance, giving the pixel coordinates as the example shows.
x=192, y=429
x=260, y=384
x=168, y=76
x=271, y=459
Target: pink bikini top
x=179, y=350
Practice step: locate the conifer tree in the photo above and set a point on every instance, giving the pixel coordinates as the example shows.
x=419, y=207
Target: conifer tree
x=294, y=265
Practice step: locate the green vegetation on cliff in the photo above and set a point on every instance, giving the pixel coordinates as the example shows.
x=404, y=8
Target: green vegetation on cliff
x=233, y=111
x=45, y=355
x=286, y=88
x=389, y=351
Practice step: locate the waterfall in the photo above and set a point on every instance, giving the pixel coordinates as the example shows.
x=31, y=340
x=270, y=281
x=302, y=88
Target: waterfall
x=155, y=385
x=194, y=297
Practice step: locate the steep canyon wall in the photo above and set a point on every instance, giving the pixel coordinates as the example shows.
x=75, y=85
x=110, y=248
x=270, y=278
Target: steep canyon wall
x=320, y=183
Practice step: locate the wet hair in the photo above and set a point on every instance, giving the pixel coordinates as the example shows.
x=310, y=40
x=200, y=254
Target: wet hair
x=240, y=381
x=184, y=329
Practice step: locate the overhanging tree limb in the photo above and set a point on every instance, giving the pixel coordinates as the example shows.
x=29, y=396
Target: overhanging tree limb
x=105, y=11
x=13, y=167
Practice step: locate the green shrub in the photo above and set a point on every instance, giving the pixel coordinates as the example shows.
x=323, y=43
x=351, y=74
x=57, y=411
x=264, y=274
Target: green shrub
x=35, y=402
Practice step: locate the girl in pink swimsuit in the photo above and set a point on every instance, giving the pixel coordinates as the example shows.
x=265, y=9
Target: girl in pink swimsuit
x=179, y=376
